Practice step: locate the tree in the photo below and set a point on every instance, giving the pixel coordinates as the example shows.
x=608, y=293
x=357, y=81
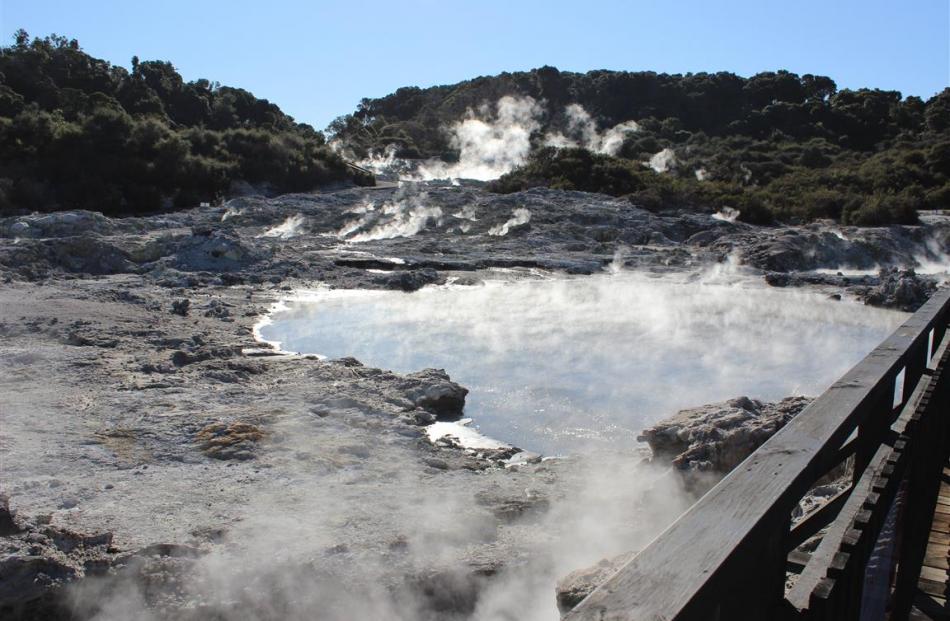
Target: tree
x=938, y=111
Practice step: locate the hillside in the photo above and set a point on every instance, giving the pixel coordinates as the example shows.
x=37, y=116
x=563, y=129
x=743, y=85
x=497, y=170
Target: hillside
x=78, y=132
x=774, y=146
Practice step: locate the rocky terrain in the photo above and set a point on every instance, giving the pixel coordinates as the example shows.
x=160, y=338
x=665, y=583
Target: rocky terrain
x=156, y=457
x=706, y=442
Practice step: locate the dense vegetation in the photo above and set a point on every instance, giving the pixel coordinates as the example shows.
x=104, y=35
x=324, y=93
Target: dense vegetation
x=77, y=132
x=775, y=145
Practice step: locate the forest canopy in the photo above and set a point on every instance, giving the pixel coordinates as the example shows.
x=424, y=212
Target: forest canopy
x=78, y=132
x=775, y=145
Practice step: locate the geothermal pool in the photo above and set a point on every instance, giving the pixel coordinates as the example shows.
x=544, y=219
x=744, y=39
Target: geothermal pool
x=564, y=365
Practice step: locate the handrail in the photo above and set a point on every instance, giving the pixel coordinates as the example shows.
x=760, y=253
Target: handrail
x=725, y=558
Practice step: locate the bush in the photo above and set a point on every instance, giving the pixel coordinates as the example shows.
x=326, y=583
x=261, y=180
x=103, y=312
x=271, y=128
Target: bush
x=883, y=209
x=78, y=133
x=783, y=146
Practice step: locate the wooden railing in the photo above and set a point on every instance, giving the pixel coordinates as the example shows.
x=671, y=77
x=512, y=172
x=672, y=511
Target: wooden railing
x=735, y=554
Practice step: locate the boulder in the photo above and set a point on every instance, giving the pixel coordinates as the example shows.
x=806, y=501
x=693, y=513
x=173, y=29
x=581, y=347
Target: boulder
x=7, y=517
x=713, y=439
x=214, y=250
x=411, y=280
x=37, y=560
x=900, y=289
x=432, y=390
x=575, y=586
x=59, y=224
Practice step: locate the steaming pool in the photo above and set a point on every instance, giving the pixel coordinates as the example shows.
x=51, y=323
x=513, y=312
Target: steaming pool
x=563, y=365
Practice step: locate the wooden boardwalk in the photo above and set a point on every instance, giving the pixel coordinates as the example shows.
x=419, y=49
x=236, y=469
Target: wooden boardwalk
x=933, y=588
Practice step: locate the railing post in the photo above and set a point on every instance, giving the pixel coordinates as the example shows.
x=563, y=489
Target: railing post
x=872, y=430
x=756, y=589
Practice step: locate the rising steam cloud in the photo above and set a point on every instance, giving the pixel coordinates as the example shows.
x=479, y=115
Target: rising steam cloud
x=582, y=132
x=495, y=139
x=518, y=217
x=489, y=143
x=288, y=229
x=664, y=161
x=407, y=214
x=493, y=142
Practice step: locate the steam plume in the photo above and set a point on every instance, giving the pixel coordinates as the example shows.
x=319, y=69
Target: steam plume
x=663, y=161
x=288, y=229
x=405, y=216
x=489, y=144
x=518, y=217
x=582, y=132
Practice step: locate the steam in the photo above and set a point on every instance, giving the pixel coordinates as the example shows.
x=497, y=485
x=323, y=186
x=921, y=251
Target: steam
x=664, y=161
x=928, y=257
x=582, y=132
x=386, y=163
x=344, y=532
x=494, y=139
x=577, y=362
x=746, y=173
x=838, y=233
x=617, y=262
x=490, y=143
x=727, y=214
x=518, y=217
x=404, y=216
x=933, y=259
x=614, y=504
x=380, y=163
x=493, y=142
x=466, y=213
x=231, y=212
x=288, y=229
x=310, y=547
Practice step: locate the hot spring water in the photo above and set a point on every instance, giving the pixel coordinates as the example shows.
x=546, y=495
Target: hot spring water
x=558, y=365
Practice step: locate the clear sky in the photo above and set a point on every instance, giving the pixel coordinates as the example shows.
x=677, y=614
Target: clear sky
x=317, y=59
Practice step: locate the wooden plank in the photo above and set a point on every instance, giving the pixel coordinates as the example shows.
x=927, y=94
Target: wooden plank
x=936, y=560
x=796, y=561
x=941, y=523
x=818, y=519
x=725, y=544
x=923, y=485
x=823, y=555
x=933, y=574
x=941, y=538
x=936, y=588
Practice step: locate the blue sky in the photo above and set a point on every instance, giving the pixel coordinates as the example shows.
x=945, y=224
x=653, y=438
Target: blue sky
x=317, y=59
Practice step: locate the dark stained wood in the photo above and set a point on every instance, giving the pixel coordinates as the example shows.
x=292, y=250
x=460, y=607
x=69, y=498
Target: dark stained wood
x=932, y=587
x=818, y=519
x=822, y=557
x=923, y=486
